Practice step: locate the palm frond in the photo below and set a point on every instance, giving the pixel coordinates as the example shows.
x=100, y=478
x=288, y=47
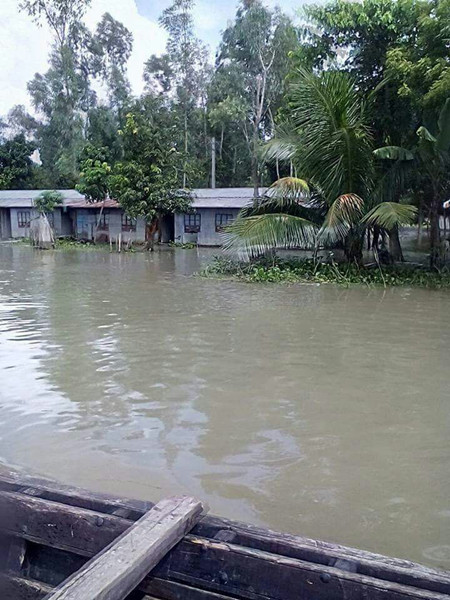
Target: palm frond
x=289, y=190
x=393, y=153
x=336, y=143
x=388, y=215
x=284, y=146
x=255, y=235
x=345, y=212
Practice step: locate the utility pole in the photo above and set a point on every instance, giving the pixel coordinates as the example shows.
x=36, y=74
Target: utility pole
x=213, y=162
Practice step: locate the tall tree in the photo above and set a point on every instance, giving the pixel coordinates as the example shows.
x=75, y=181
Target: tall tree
x=254, y=54
x=182, y=74
x=63, y=94
x=114, y=46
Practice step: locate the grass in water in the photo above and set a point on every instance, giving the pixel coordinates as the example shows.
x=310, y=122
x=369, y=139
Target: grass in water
x=308, y=271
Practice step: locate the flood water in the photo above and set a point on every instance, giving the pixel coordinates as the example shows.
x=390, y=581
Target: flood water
x=310, y=409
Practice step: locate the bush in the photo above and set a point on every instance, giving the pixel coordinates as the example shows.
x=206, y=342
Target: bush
x=308, y=271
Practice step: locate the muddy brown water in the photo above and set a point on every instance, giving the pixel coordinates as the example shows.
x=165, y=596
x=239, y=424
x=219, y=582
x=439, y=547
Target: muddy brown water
x=310, y=409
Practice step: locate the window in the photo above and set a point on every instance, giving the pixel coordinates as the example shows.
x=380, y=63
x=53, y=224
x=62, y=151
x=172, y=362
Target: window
x=128, y=224
x=103, y=221
x=23, y=218
x=192, y=223
x=222, y=220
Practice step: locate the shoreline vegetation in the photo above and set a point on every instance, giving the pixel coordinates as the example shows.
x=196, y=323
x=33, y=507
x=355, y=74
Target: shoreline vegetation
x=295, y=270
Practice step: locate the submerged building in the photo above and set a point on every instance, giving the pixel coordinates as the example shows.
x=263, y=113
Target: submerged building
x=212, y=210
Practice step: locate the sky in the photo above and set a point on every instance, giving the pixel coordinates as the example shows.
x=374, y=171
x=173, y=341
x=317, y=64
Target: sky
x=24, y=46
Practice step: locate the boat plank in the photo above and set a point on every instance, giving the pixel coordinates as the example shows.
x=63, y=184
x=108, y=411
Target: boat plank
x=205, y=564
x=293, y=546
x=13, y=587
x=118, y=569
x=255, y=575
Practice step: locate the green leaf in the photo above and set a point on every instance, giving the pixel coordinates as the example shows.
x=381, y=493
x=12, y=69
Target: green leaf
x=289, y=189
x=345, y=212
x=424, y=134
x=443, y=138
x=256, y=234
x=393, y=153
x=388, y=215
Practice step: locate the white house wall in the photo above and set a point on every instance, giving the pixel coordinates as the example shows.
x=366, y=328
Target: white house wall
x=207, y=236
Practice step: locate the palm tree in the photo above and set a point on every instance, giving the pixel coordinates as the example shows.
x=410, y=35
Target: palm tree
x=430, y=162
x=329, y=144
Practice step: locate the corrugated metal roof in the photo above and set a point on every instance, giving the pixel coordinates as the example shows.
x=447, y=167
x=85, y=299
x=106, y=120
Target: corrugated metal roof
x=222, y=197
x=25, y=198
x=202, y=198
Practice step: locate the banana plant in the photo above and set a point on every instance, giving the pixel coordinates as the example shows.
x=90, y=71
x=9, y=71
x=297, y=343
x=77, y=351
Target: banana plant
x=431, y=159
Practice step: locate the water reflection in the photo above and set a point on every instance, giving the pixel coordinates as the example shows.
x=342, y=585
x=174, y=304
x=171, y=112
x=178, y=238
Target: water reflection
x=126, y=374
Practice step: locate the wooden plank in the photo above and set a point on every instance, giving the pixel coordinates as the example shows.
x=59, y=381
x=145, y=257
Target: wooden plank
x=13, y=587
x=366, y=563
x=326, y=553
x=72, y=496
x=117, y=570
x=256, y=575
x=53, y=566
x=218, y=567
x=302, y=548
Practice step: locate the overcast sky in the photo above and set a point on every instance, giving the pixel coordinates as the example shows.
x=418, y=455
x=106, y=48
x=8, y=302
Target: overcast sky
x=24, y=46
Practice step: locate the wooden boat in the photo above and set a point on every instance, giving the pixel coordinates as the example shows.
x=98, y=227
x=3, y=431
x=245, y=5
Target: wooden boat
x=50, y=531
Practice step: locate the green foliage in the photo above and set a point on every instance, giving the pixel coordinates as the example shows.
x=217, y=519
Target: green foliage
x=146, y=182
x=331, y=148
x=292, y=271
x=16, y=166
x=95, y=175
x=47, y=201
x=405, y=41
x=251, y=66
x=184, y=246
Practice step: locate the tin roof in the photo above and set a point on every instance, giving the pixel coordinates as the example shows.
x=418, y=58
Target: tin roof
x=26, y=198
x=222, y=197
x=202, y=198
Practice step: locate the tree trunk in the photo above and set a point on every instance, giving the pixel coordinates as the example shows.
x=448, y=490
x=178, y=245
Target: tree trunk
x=419, y=221
x=151, y=229
x=255, y=175
x=435, y=236
x=185, y=149
x=395, y=248
x=353, y=248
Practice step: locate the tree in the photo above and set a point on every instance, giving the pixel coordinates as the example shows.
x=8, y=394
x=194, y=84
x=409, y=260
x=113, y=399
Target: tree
x=16, y=166
x=46, y=202
x=402, y=43
x=63, y=94
x=114, y=47
x=95, y=174
x=431, y=158
x=181, y=75
x=330, y=145
x=254, y=54
x=146, y=182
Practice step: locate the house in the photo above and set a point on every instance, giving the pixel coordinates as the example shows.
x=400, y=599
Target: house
x=17, y=211
x=212, y=210
x=75, y=217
